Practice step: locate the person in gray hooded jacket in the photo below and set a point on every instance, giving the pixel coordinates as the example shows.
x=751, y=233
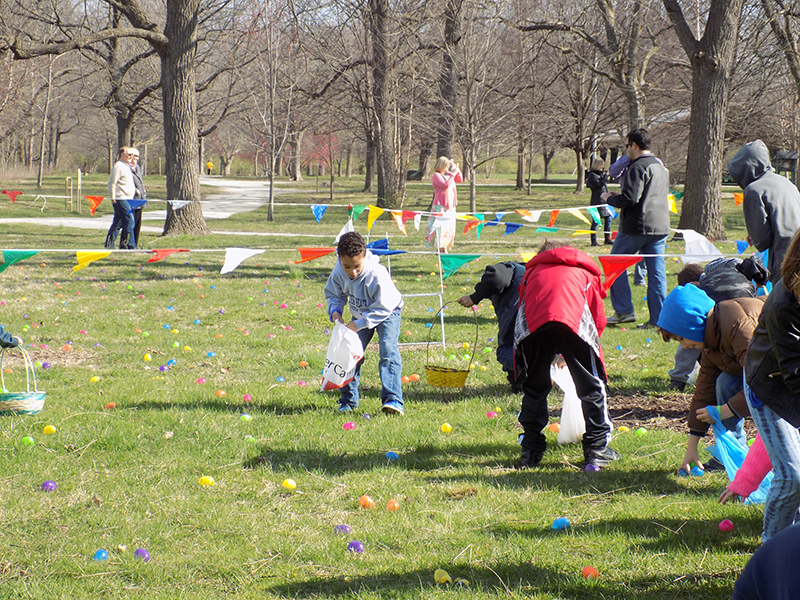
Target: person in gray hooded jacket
x=771, y=203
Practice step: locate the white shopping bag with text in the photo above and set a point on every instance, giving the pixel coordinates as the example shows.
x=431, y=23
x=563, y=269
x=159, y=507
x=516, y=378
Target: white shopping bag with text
x=572, y=424
x=344, y=352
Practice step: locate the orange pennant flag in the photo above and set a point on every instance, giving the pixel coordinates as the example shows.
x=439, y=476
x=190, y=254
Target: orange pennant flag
x=398, y=219
x=738, y=198
x=164, y=253
x=12, y=195
x=307, y=254
x=87, y=257
x=94, y=202
x=553, y=216
x=472, y=224
x=614, y=266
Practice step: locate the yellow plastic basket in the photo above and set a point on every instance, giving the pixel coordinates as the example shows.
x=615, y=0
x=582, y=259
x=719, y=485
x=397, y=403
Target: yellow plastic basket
x=438, y=376
x=20, y=403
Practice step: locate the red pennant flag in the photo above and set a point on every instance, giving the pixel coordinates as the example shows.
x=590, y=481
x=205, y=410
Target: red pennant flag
x=472, y=224
x=12, y=195
x=164, y=253
x=307, y=254
x=737, y=197
x=407, y=214
x=553, y=216
x=615, y=265
x=94, y=202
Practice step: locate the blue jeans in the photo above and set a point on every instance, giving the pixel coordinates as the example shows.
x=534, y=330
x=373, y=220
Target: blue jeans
x=390, y=366
x=727, y=387
x=782, y=442
x=123, y=220
x=685, y=359
x=656, y=273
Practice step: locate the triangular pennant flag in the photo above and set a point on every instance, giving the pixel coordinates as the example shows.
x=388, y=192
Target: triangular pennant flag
x=318, y=210
x=178, y=204
x=374, y=213
x=134, y=204
x=678, y=195
x=471, y=224
x=11, y=195
x=307, y=254
x=577, y=214
x=673, y=207
x=499, y=216
x=741, y=246
x=356, y=210
x=578, y=232
x=595, y=214
x=615, y=265
x=614, y=214
x=493, y=223
x=94, y=202
x=546, y=229
x=86, y=257
x=738, y=198
x=527, y=215
x=553, y=217
x=164, y=253
x=526, y=256
x=398, y=218
x=11, y=257
x=417, y=220
x=348, y=227
x=512, y=227
x=235, y=256
x=379, y=244
x=453, y=262
x=409, y=214
x=698, y=247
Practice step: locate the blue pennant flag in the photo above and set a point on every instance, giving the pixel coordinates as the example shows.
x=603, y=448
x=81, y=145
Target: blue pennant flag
x=741, y=246
x=381, y=248
x=318, y=210
x=512, y=227
x=134, y=204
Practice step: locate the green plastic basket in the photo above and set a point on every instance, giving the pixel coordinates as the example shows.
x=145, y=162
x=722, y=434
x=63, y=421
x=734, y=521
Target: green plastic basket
x=20, y=403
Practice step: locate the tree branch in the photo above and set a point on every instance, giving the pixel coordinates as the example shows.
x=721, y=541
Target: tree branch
x=685, y=35
x=19, y=52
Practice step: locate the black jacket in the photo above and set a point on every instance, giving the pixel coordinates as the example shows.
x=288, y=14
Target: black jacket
x=643, y=203
x=597, y=181
x=772, y=366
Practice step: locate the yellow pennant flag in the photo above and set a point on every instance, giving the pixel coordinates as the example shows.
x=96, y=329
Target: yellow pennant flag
x=738, y=198
x=374, y=213
x=398, y=218
x=581, y=232
x=85, y=258
x=578, y=215
x=526, y=256
x=673, y=207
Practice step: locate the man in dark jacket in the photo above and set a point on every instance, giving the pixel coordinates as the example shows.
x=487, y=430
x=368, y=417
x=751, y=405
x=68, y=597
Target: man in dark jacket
x=500, y=283
x=643, y=226
x=771, y=203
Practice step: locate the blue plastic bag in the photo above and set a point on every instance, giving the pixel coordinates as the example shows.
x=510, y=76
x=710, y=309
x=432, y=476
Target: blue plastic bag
x=730, y=452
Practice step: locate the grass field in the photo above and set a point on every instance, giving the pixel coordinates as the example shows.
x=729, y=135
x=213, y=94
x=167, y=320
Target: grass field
x=128, y=476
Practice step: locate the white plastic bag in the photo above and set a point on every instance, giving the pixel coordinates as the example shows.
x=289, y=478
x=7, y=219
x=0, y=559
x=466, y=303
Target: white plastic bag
x=344, y=352
x=572, y=424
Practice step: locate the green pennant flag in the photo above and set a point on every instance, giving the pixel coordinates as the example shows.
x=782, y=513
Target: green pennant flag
x=546, y=229
x=678, y=195
x=453, y=262
x=595, y=214
x=356, y=211
x=11, y=257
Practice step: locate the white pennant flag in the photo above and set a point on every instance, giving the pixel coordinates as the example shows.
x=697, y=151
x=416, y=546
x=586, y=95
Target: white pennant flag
x=176, y=204
x=698, y=247
x=417, y=219
x=235, y=256
x=348, y=227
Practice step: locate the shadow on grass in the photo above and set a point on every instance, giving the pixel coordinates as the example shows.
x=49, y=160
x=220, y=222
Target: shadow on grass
x=622, y=385
x=514, y=580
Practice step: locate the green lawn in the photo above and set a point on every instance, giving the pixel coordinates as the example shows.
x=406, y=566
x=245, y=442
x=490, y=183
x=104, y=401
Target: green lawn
x=128, y=476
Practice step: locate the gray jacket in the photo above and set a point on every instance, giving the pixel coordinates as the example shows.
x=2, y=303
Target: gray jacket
x=643, y=203
x=771, y=203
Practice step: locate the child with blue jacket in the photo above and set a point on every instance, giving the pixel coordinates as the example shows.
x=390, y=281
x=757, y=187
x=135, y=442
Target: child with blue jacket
x=359, y=280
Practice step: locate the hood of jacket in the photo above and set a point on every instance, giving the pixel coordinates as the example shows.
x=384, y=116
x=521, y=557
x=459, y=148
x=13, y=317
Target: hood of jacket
x=750, y=163
x=567, y=255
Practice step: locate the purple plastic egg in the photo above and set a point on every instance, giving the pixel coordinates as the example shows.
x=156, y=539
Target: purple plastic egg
x=143, y=554
x=342, y=529
x=49, y=486
x=356, y=547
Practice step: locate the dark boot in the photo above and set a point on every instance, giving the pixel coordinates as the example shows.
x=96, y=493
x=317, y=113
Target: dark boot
x=594, y=240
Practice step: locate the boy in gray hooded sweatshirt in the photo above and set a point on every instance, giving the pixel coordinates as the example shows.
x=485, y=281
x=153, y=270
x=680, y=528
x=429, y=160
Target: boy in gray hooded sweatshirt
x=375, y=303
x=771, y=203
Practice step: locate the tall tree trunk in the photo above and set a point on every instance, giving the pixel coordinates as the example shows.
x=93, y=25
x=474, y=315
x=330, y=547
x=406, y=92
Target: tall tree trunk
x=180, y=118
x=580, y=170
x=369, y=163
x=425, y=159
x=520, y=161
x=712, y=59
x=547, y=156
x=295, y=162
x=448, y=79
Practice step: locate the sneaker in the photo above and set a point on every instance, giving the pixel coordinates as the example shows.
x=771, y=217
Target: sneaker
x=343, y=408
x=645, y=326
x=676, y=386
x=601, y=458
x=713, y=465
x=530, y=459
x=617, y=319
x=609, y=243
x=393, y=407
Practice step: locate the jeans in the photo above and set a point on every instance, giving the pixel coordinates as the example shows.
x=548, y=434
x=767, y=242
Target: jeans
x=782, y=442
x=123, y=219
x=390, y=366
x=727, y=387
x=656, y=273
x=685, y=359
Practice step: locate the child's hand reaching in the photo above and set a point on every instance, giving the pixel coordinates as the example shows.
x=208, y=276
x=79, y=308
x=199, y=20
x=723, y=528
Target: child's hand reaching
x=727, y=495
x=690, y=457
x=336, y=317
x=466, y=301
x=352, y=326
